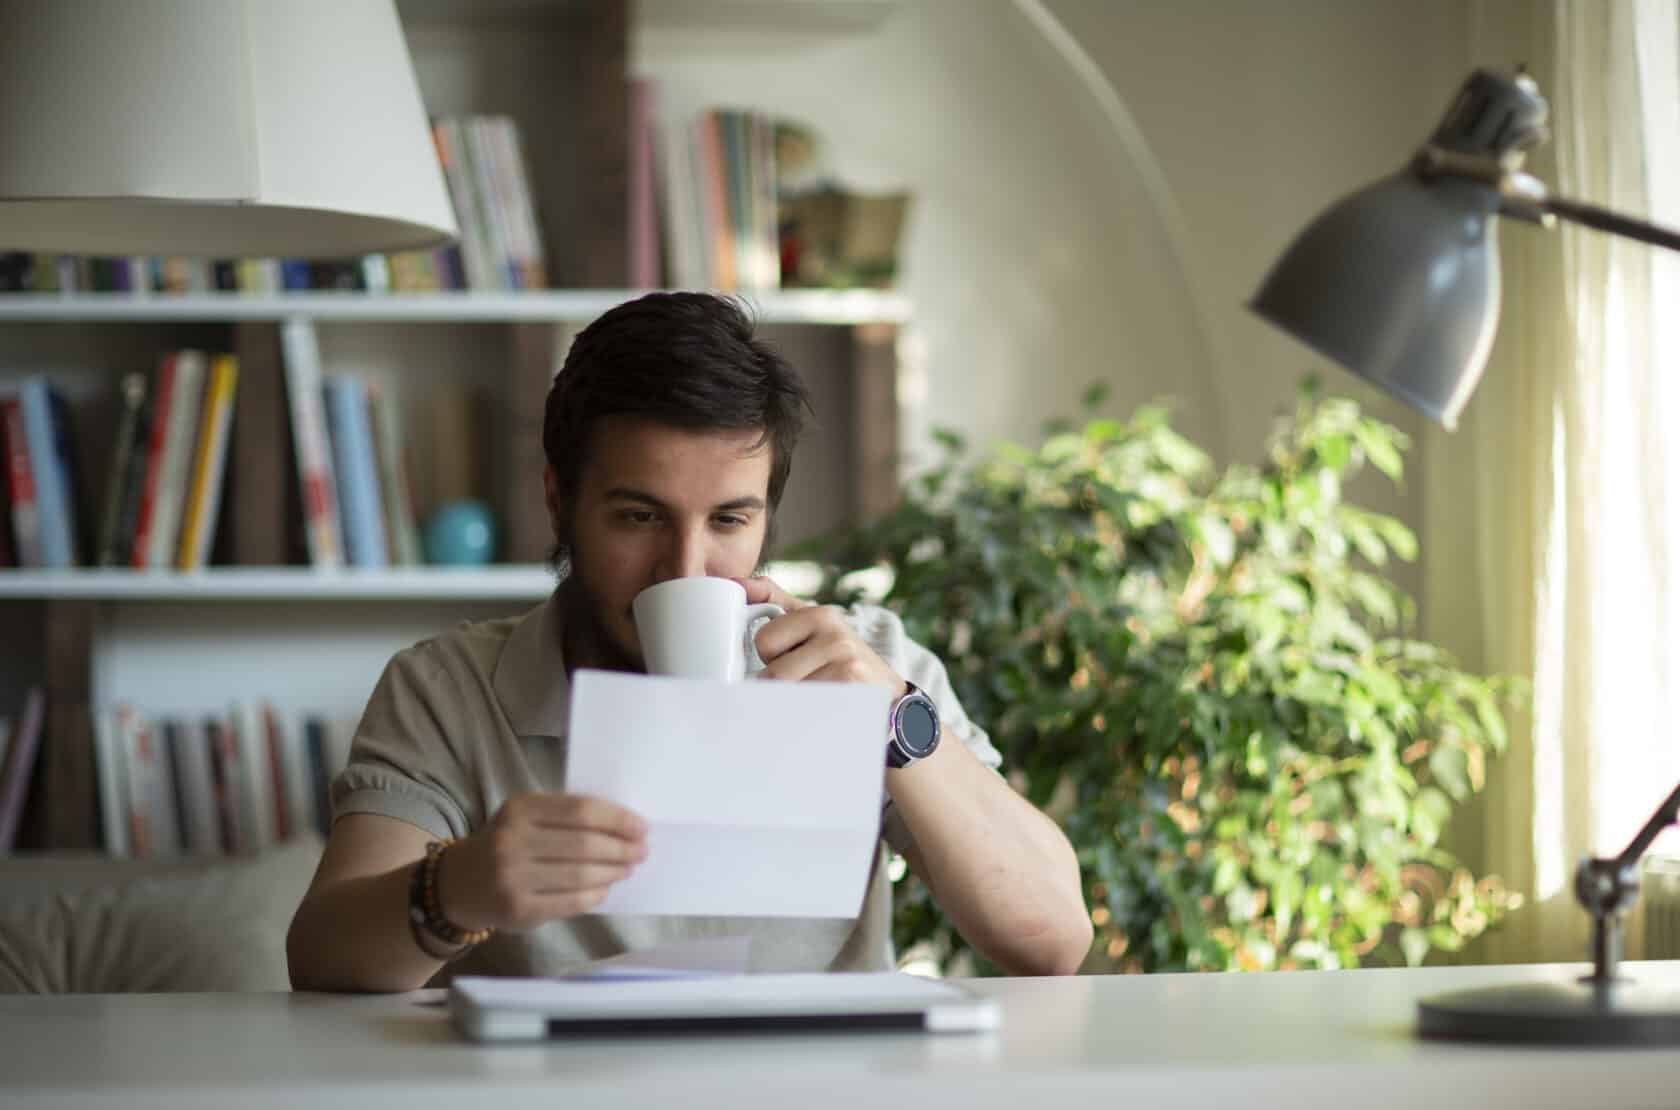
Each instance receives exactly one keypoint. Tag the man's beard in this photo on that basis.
(587, 641)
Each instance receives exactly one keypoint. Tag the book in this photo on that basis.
(201, 831)
(396, 491)
(358, 472)
(20, 486)
(295, 777)
(320, 774)
(163, 393)
(130, 433)
(643, 208)
(310, 444)
(531, 260)
(154, 828)
(265, 509)
(256, 780)
(111, 767)
(174, 744)
(44, 438)
(21, 750)
(685, 256)
(205, 486)
(223, 755)
(272, 742)
(714, 192)
(174, 462)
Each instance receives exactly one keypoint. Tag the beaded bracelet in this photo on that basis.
(425, 910)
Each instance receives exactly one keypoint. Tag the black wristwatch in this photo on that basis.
(914, 731)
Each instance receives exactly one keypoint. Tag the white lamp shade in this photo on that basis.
(229, 128)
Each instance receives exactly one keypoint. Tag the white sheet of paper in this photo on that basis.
(762, 798)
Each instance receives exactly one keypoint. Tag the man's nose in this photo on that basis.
(687, 556)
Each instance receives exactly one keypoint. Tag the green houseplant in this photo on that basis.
(1205, 679)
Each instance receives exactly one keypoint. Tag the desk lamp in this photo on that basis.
(213, 127)
(1399, 283)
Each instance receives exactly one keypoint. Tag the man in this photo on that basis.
(669, 435)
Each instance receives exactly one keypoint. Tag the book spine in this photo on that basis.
(680, 184)
(202, 834)
(205, 499)
(21, 750)
(295, 777)
(111, 765)
(644, 225)
(533, 261)
(493, 191)
(396, 498)
(20, 479)
(164, 535)
(129, 428)
(310, 444)
(223, 750)
(320, 777)
(140, 750)
(256, 795)
(163, 396)
(174, 806)
(715, 190)
(359, 481)
(52, 495)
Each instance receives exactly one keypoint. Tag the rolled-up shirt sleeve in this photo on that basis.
(402, 763)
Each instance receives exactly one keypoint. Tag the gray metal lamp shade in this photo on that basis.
(1399, 282)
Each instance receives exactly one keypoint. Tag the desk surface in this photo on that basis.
(1298, 1039)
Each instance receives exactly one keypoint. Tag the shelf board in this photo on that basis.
(827, 16)
(789, 306)
(495, 583)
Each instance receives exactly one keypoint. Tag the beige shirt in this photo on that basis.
(460, 723)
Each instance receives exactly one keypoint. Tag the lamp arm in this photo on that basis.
(1667, 814)
(1526, 197)
(1614, 222)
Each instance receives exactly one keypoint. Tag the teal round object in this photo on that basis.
(461, 534)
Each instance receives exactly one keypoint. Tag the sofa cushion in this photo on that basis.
(215, 925)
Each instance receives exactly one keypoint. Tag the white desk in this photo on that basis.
(1298, 1039)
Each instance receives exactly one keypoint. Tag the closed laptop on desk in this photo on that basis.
(485, 1009)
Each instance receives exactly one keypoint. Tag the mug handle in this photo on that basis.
(757, 617)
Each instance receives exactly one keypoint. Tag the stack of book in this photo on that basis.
(352, 465)
(160, 506)
(220, 784)
(718, 179)
(162, 493)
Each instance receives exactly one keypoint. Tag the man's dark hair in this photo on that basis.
(689, 360)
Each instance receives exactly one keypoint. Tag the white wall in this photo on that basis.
(1035, 258)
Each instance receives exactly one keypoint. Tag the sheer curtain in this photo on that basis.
(1554, 513)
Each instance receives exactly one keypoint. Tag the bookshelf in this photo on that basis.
(311, 640)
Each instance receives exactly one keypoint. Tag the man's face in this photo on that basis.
(655, 502)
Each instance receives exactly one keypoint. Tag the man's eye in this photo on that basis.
(638, 516)
(731, 521)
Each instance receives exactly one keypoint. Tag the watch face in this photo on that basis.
(918, 728)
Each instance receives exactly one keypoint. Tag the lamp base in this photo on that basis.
(1623, 1013)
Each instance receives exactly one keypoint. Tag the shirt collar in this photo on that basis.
(530, 680)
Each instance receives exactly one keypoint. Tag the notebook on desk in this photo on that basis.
(484, 1009)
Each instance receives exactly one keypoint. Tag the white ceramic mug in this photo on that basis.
(700, 628)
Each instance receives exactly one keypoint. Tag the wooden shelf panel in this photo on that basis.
(792, 306)
(495, 583)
